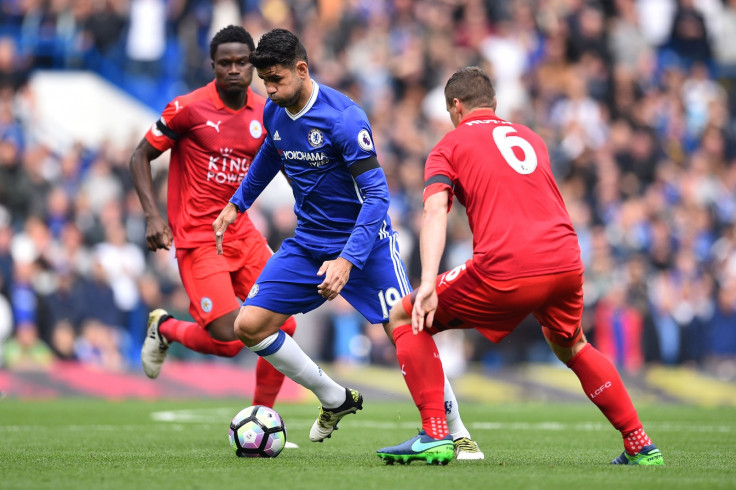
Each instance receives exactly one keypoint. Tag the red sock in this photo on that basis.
(198, 339)
(603, 386)
(636, 440)
(437, 427)
(422, 369)
(268, 378)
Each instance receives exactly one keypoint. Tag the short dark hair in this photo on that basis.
(278, 47)
(231, 34)
(472, 87)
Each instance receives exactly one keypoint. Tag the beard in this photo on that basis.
(291, 101)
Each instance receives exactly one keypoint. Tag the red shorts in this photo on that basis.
(215, 283)
(495, 308)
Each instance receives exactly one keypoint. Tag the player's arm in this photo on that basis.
(431, 246)
(371, 181)
(158, 233)
(264, 168)
(353, 136)
(439, 188)
(432, 235)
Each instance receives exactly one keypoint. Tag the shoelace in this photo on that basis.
(325, 417)
(466, 444)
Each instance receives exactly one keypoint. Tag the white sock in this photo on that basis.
(452, 411)
(286, 356)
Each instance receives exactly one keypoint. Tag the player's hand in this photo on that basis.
(337, 273)
(158, 234)
(228, 215)
(425, 305)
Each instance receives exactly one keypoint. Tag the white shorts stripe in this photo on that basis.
(382, 233)
(398, 268)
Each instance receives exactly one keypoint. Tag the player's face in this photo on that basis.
(233, 72)
(285, 86)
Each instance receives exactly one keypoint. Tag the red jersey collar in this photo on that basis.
(481, 114)
(219, 104)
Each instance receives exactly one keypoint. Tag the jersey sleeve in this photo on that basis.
(374, 188)
(439, 174)
(355, 140)
(163, 134)
(353, 136)
(264, 168)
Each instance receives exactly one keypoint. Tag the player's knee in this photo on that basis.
(253, 325)
(566, 353)
(397, 317)
(246, 330)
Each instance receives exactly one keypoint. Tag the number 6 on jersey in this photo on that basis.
(506, 144)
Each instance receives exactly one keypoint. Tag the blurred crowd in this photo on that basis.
(636, 100)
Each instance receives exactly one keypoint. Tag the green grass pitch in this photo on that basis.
(94, 444)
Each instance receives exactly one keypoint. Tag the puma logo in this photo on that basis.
(213, 125)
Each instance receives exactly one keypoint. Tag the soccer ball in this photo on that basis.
(257, 432)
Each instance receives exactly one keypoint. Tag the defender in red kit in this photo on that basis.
(526, 261)
(213, 133)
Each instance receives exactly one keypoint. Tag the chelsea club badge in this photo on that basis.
(315, 138)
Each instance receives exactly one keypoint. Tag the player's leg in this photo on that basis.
(212, 304)
(465, 447)
(420, 364)
(603, 386)
(463, 302)
(601, 382)
(421, 367)
(286, 286)
(259, 330)
(163, 329)
(374, 290)
(268, 379)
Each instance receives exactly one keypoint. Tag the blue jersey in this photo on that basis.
(337, 214)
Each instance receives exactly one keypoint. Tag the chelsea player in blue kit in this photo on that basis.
(343, 243)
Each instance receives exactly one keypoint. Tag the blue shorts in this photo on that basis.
(288, 282)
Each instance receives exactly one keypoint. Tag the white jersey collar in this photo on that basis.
(310, 103)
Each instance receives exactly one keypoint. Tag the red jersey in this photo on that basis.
(501, 173)
(212, 147)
